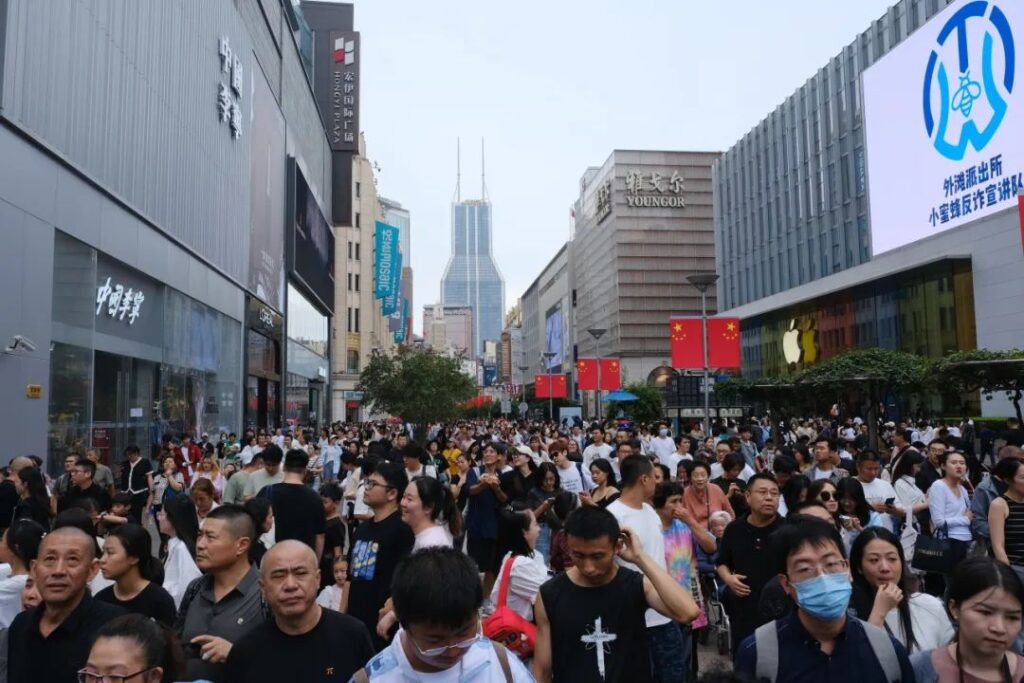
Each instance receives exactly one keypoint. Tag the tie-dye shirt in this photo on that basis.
(681, 560)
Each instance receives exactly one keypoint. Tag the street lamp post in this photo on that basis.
(597, 333)
(702, 282)
(548, 356)
(522, 373)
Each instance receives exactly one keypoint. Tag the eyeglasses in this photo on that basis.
(836, 566)
(371, 485)
(826, 496)
(438, 651)
(86, 676)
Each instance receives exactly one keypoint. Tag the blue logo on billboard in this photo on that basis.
(971, 107)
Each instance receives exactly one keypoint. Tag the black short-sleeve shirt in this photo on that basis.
(153, 602)
(298, 512)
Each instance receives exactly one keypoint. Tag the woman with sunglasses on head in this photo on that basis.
(985, 598)
(883, 597)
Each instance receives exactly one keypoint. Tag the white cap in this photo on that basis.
(246, 457)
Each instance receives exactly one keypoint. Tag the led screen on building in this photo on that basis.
(553, 343)
(943, 114)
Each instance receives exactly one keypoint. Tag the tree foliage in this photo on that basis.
(647, 408)
(990, 372)
(420, 385)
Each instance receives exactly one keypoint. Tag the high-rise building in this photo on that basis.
(791, 195)
(448, 329)
(472, 277)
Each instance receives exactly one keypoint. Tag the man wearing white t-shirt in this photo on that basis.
(573, 477)
(597, 448)
(662, 446)
(664, 639)
(877, 490)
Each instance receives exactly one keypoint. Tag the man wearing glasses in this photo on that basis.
(378, 545)
(820, 641)
(437, 597)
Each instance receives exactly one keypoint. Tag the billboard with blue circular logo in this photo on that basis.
(943, 123)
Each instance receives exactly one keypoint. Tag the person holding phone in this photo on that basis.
(880, 494)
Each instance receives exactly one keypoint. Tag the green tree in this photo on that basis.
(647, 408)
(982, 370)
(419, 385)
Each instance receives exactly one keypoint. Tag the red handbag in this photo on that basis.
(505, 625)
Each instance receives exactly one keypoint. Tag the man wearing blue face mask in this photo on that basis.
(820, 640)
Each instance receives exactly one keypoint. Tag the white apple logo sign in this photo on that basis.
(791, 347)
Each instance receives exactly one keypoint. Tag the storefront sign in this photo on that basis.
(604, 200)
(350, 395)
(655, 190)
(343, 118)
(229, 97)
(116, 301)
(264, 319)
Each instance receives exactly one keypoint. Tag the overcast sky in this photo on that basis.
(554, 86)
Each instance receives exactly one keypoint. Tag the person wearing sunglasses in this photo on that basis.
(437, 597)
(378, 545)
(824, 490)
(133, 649)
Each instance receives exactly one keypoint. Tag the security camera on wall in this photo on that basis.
(20, 343)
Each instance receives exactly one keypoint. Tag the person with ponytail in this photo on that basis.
(137, 575)
(428, 506)
(19, 546)
(985, 598)
(136, 648)
(178, 521)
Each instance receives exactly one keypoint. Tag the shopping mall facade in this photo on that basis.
(165, 215)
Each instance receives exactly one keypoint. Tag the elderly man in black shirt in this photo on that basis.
(51, 642)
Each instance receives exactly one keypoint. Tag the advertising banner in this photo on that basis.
(943, 114)
(313, 244)
(393, 301)
(385, 259)
(554, 337)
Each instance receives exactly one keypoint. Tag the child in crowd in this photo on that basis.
(330, 597)
(120, 507)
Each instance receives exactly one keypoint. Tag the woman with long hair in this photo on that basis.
(606, 491)
(262, 514)
(517, 543)
(428, 507)
(883, 598)
(824, 491)
(908, 495)
(1006, 515)
(541, 500)
(210, 470)
(18, 548)
(795, 491)
(985, 598)
(204, 495)
(855, 514)
(34, 501)
(702, 498)
(177, 520)
(129, 563)
(134, 647)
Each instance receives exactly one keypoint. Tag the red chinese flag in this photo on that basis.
(611, 377)
(542, 386)
(559, 386)
(687, 345)
(724, 342)
(586, 374)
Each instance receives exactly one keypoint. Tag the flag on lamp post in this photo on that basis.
(611, 376)
(687, 343)
(559, 386)
(724, 342)
(542, 386)
(586, 374)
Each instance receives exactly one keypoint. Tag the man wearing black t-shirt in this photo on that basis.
(378, 545)
(298, 511)
(303, 642)
(741, 553)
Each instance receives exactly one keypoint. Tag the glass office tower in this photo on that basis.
(472, 277)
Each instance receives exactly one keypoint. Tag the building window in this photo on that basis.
(355, 319)
(357, 251)
(350, 282)
(357, 282)
(349, 327)
(357, 223)
(352, 363)
(350, 250)
(358, 189)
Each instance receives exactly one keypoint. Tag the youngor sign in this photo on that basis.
(943, 113)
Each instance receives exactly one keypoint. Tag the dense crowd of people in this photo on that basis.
(518, 551)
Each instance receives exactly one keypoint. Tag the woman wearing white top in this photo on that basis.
(950, 506)
(908, 495)
(517, 538)
(427, 507)
(917, 620)
(178, 520)
(18, 548)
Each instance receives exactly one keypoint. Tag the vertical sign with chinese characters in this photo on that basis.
(229, 95)
(343, 109)
(604, 200)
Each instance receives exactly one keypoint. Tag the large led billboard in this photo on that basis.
(944, 123)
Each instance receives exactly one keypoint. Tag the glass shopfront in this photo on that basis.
(133, 359)
(264, 334)
(308, 364)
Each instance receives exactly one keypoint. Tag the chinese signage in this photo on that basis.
(343, 109)
(655, 190)
(943, 112)
(604, 200)
(119, 302)
(229, 94)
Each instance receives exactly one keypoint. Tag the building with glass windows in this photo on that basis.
(790, 196)
(471, 277)
(165, 215)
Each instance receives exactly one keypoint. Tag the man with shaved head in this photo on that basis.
(51, 642)
(292, 645)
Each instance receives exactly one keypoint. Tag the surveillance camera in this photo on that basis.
(20, 342)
